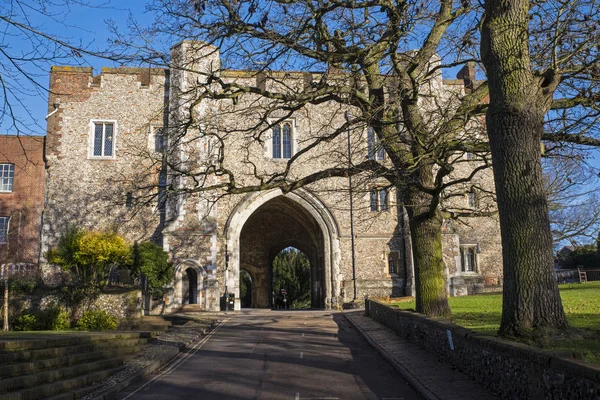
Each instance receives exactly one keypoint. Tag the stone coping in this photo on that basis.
(512, 369)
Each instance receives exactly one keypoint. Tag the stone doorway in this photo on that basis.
(190, 285)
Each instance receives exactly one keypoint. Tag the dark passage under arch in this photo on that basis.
(278, 224)
(192, 287)
(245, 289)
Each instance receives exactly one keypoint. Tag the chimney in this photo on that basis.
(467, 74)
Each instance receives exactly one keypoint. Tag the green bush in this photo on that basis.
(54, 319)
(23, 285)
(25, 322)
(97, 320)
(50, 319)
(151, 261)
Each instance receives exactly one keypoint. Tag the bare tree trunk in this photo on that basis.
(515, 123)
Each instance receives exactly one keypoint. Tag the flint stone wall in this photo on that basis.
(123, 304)
(511, 370)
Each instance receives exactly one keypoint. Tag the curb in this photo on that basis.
(166, 359)
(405, 372)
(155, 365)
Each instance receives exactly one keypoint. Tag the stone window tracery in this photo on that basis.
(378, 199)
(468, 257)
(282, 140)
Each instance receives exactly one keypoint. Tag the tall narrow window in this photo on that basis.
(371, 143)
(4, 229)
(276, 141)
(162, 190)
(472, 198)
(373, 199)
(383, 200)
(282, 140)
(129, 200)
(160, 140)
(7, 176)
(393, 262)
(375, 149)
(287, 141)
(103, 139)
(468, 259)
(380, 152)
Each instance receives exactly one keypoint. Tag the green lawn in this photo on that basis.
(481, 313)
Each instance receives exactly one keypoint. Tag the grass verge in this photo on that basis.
(581, 301)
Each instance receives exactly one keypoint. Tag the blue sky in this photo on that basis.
(87, 25)
(78, 24)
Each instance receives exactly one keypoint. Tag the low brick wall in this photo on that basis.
(512, 370)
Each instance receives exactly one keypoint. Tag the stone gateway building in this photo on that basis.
(135, 149)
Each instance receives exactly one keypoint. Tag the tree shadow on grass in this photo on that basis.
(484, 322)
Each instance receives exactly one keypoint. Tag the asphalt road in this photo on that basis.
(279, 355)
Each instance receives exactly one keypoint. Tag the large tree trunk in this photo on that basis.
(426, 235)
(518, 103)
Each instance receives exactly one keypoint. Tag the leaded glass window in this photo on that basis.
(379, 199)
(276, 141)
(103, 139)
(287, 141)
(383, 203)
(282, 140)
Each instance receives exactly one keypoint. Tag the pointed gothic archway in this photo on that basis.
(190, 284)
(265, 223)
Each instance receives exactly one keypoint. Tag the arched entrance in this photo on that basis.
(263, 224)
(190, 284)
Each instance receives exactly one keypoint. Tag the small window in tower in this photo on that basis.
(103, 139)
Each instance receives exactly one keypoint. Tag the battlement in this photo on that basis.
(75, 81)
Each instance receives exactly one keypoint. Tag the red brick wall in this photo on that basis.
(25, 204)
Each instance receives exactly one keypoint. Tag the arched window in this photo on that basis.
(282, 140)
(468, 258)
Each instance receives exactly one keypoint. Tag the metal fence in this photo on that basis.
(572, 275)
